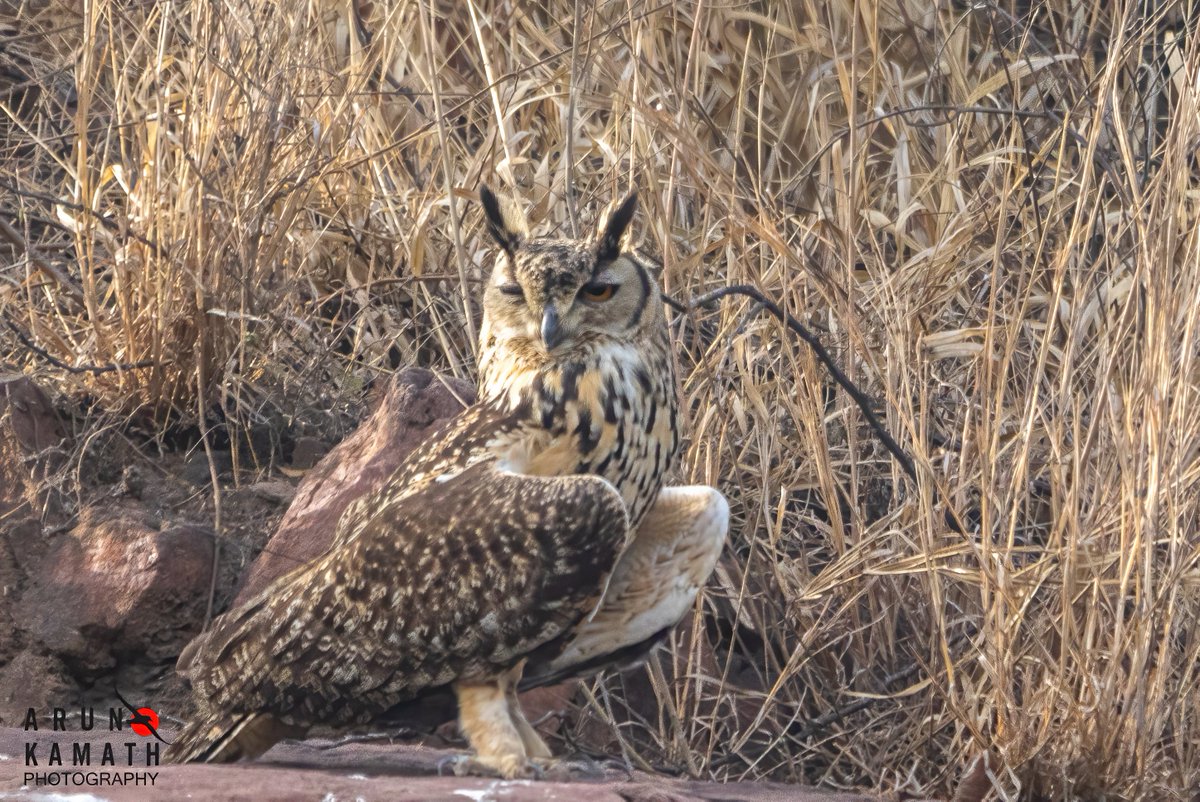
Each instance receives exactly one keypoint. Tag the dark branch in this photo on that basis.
(59, 277)
(58, 363)
(861, 399)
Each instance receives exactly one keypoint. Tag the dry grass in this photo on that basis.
(989, 212)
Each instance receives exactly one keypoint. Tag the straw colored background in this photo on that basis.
(989, 212)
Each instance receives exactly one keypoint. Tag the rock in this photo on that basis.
(31, 417)
(413, 405)
(13, 535)
(307, 452)
(197, 470)
(277, 491)
(116, 589)
(117, 593)
(347, 771)
(544, 707)
(33, 680)
(32, 440)
(32, 437)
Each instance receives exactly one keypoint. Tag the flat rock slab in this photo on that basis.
(336, 772)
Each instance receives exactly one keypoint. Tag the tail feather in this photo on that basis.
(224, 738)
(539, 673)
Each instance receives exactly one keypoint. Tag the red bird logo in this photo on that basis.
(144, 720)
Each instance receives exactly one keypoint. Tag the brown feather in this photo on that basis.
(429, 590)
(493, 542)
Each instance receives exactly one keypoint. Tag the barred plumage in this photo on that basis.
(531, 535)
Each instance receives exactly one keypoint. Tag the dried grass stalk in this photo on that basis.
(989, 212)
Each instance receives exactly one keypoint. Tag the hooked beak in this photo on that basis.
(552, 332)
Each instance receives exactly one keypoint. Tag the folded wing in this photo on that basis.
(460, 580)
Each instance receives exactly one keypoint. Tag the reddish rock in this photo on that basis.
(413, 405)
(117, 588)
(31, 417)
(279, 491)
(31, 444)
(307, 452)
(18, 537)
(32, 440)
(544, 707)
(36, 680)
(315, 771)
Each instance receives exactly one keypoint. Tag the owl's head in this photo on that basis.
(551, 297)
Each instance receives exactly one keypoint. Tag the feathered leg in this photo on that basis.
(484, 717)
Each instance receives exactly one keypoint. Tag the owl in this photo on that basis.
(529, 540)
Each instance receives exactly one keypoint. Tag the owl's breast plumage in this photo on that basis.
(495, 541)
(613, 413)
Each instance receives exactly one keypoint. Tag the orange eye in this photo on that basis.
(597, 292)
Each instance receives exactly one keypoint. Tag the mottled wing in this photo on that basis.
(447, 448)
(458, 581)
(654, 585)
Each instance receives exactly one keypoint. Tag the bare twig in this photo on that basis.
(864, 402)
(762, 302)
(58, 363)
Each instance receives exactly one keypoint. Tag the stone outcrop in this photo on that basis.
(315, 770)
(32, 437)
(111, 587)
(414, 403)
(117, 587)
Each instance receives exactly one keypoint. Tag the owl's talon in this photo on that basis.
(466, 766)
(561, 770)
(511, 768)
(452, 761)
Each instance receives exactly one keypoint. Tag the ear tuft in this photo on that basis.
(507, 228)
(612, 227)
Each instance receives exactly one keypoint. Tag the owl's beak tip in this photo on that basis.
(552, 330)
